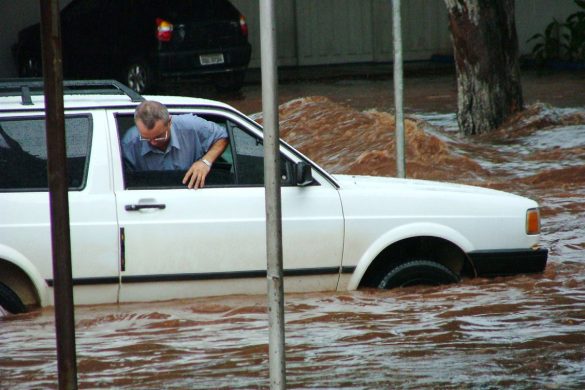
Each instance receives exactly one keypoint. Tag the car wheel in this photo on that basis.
(29, 66)
(138, 75)
(9, 301)
(230, 82)
(417, 272)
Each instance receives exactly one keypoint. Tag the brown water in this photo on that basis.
(524, 332)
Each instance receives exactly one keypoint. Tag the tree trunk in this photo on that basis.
(485, 45)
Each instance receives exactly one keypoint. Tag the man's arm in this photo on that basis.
(195, 176)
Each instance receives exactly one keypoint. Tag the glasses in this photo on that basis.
(157, 139)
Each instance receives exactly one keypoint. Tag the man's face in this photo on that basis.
(158, 136)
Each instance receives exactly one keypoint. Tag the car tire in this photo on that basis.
(29, 66)
(9, 301)
(139, 76)
(418, 272)
(230, 82)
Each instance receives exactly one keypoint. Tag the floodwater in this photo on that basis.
(522, 332)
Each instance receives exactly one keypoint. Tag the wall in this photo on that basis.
(311, 32)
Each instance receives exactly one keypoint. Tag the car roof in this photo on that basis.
(74, 102)
(26, 96)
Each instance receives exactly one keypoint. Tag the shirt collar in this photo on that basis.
(146, 148)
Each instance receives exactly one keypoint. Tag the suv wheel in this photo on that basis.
(138, 75)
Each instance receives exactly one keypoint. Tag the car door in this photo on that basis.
(25, 229)
(212, 241)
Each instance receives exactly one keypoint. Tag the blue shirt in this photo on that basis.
(191, 138)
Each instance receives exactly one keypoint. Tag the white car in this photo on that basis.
(146, 237)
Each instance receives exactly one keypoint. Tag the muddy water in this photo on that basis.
(524, 332)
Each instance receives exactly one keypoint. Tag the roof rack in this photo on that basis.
(29, 87)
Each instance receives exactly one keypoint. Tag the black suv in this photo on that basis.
(141, 41)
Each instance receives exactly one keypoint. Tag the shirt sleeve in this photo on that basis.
(207, 132)
(129, 149)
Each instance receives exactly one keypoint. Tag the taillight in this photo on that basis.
(243, 26)
(164, 30)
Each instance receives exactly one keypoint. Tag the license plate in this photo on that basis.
(211, 59)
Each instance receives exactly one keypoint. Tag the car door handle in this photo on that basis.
(137, 207)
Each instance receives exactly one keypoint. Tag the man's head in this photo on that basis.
(153, 122)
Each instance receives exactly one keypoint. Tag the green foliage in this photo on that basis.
(562, 41)
(548, 44)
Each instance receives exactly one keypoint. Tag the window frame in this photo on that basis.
(217, 116)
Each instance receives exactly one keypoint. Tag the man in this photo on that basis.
(183, 142)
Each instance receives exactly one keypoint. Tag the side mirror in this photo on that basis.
(303, 174)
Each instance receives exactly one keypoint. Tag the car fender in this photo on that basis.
(19, 260)
(401, 233)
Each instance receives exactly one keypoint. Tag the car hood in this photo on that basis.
(392, 196)
(390, 183)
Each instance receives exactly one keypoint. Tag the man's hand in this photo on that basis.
(195, 176)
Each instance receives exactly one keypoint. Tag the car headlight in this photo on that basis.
(533, 221)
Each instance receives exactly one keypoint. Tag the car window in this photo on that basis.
(249, 157)
(23, 153)
(241, 164)
(81, 9)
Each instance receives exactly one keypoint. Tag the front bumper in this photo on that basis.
(509, 261)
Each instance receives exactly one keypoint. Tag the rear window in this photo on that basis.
(23, 153)
(197, 10)
(82, 9)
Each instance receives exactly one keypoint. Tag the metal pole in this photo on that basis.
(398, 90)
(273, 202)
(59, 200)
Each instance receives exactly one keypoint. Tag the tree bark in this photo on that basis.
(485, 46)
